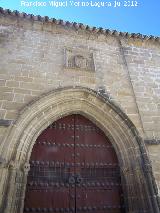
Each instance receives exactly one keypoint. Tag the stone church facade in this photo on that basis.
(51, 68)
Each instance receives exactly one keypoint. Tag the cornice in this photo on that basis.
(78, 26)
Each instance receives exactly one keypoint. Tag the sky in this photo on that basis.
(141, 16)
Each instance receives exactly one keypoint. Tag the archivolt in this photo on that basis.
(104, 113)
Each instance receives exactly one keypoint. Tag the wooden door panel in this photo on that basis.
(101, 155)
(104, 196)
(52, 164)
(56, 197)
(99, 170)
(74, 168)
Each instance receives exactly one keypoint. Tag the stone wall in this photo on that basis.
(33, 59)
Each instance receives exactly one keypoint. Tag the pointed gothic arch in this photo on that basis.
(101, 110)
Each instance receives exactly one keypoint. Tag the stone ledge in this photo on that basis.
(5, 123)
(77, 26)
(152, 142)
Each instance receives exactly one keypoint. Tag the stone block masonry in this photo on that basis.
(33, 62)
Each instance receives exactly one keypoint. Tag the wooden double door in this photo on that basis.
(73, 168)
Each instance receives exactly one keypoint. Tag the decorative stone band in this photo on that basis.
(76, 26)
(5, 123)
(152, 141)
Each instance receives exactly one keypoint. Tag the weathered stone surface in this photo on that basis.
(124, 69)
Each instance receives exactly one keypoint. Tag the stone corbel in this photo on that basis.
(26, 167)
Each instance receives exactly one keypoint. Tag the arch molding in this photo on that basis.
(136, 173)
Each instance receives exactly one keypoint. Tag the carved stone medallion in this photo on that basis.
(79, 59)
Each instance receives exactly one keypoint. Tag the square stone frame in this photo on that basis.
(139, 187)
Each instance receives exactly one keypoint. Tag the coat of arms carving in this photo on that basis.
(78, 59)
